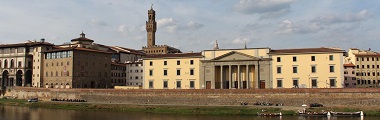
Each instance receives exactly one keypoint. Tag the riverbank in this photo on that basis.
(182, 109)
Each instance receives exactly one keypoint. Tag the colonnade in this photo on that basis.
(235, 76)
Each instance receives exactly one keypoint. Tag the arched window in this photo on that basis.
(12, 63)
(56, 73)
(47, 74)
(51, 74)
(67, 73)
(5, 63)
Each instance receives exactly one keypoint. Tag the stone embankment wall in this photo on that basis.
(289, 97)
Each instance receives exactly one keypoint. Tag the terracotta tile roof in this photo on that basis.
(78, 48)
(173, 55)
(349, 65)
(305, 50)
(25, 44)
(126, 50)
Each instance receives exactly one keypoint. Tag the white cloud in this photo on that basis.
(265, 8)
(288, 27)
(132, 32)
(348, 18)
(169, 24)
(95, 22)
(194, 25)
(240, 40)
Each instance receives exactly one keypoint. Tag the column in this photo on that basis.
(238, 76)
(247, 75)
(221, 76)
(256, 77)
(229, 76)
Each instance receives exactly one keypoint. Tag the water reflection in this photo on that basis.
(25, 113)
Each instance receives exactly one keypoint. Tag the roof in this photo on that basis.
(118, 64)
(82, 38)
(367, 54)
(306, 50)
(77, 48)
(349, 65)
(126, 50)
(25, 44)
(173, 55)
(234, 52)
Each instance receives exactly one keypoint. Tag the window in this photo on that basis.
(332, 82)
(313, 69)
(178, 83)
(165, 62)
(367, 58)
(314, 83)
(357, 66)
(150, 84)
(294, 69)
(331, 57)
(331, 68)
(362, 66)
(178, 62)
(136, 77)
(368, 66)
(165, 72)
(165, 84)
(151, 63)
(150, 72)
(295, 83)
(178, 71)
(191, 62)
(192, 85)
(19, 64)
(294, 59)
(278, 70)
(191, 71)
(312, 58)
(278, 59)
(279, 83)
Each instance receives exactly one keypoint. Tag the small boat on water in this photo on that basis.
(269, 114)
(359, 113)
(322, 114)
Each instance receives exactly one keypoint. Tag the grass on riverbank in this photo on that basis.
(175, 109)
(200, 110)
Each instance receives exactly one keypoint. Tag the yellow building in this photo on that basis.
(367, 67)
(307, 68)
(172, 71)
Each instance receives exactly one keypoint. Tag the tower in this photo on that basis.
(151, 26)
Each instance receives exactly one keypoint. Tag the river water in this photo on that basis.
(26, 113)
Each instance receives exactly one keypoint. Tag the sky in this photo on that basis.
(195, 25)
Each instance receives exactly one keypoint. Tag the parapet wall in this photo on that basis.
(289, 97)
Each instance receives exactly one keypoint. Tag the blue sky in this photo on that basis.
(194, 25)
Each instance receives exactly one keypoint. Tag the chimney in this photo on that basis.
(42, 40)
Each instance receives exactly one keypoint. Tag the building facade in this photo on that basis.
(349, 75)
(118, 74)
(235, 68)
(367, 67)
(73, 67)
(20, 64)
(135, 74)
(172, 71)
(307, 68)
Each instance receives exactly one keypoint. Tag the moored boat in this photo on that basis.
(269, 114)
(359, 113)
(322, 114)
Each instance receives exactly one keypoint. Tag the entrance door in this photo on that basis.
(262, 84)
(244, 84)
(227, 85)
(208, 84)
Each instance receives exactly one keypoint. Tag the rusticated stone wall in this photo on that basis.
(289, 97)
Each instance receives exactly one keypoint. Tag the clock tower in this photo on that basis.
(151, 27)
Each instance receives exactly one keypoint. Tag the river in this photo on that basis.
(26, 113)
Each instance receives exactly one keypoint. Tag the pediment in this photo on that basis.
(234, 55)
